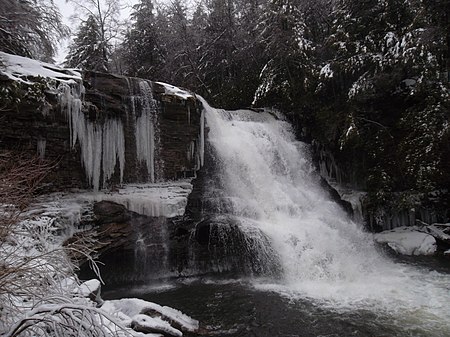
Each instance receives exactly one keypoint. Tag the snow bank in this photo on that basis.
(408, 241)
(19, 68)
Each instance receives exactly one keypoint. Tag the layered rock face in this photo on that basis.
(100, 129)
(131, 138)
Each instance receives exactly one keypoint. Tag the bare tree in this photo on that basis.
(35, 271)
(105, 13)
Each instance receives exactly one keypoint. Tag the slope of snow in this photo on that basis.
(19, 68)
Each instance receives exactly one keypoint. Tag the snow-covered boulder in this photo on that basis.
(147, 317)
(408, 241)
(90, 289)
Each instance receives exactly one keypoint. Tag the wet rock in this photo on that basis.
(35, 124)
(110, 212)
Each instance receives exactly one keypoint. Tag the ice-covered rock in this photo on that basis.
(408, 241)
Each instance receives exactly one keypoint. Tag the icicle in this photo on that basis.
(145, 132)
(202, 137)
(41, 143)
(189, 114)
(113, 149)
(101, 146)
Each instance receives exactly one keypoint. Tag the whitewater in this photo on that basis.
(272, 185)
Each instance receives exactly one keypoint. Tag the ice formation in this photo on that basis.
(41, 143)
(202, 139)
(167, 199)
(145, 129)
(101, 145)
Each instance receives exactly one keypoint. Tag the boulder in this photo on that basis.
(408, 241)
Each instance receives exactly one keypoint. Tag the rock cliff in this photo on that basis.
(100, 129)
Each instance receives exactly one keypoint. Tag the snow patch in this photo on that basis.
(87, 288)
(175, 91)
(326, 71)
(19, 68)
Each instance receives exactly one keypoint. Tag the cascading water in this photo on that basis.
(269, 179)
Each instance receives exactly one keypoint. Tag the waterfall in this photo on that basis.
(272, 186)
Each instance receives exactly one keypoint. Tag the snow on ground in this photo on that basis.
(36, 242)
(18, 68)
(408, 241)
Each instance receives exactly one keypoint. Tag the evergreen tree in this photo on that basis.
(105, 13)
(87, 50)
(31, 28)
(143, 55)
(290, 54)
